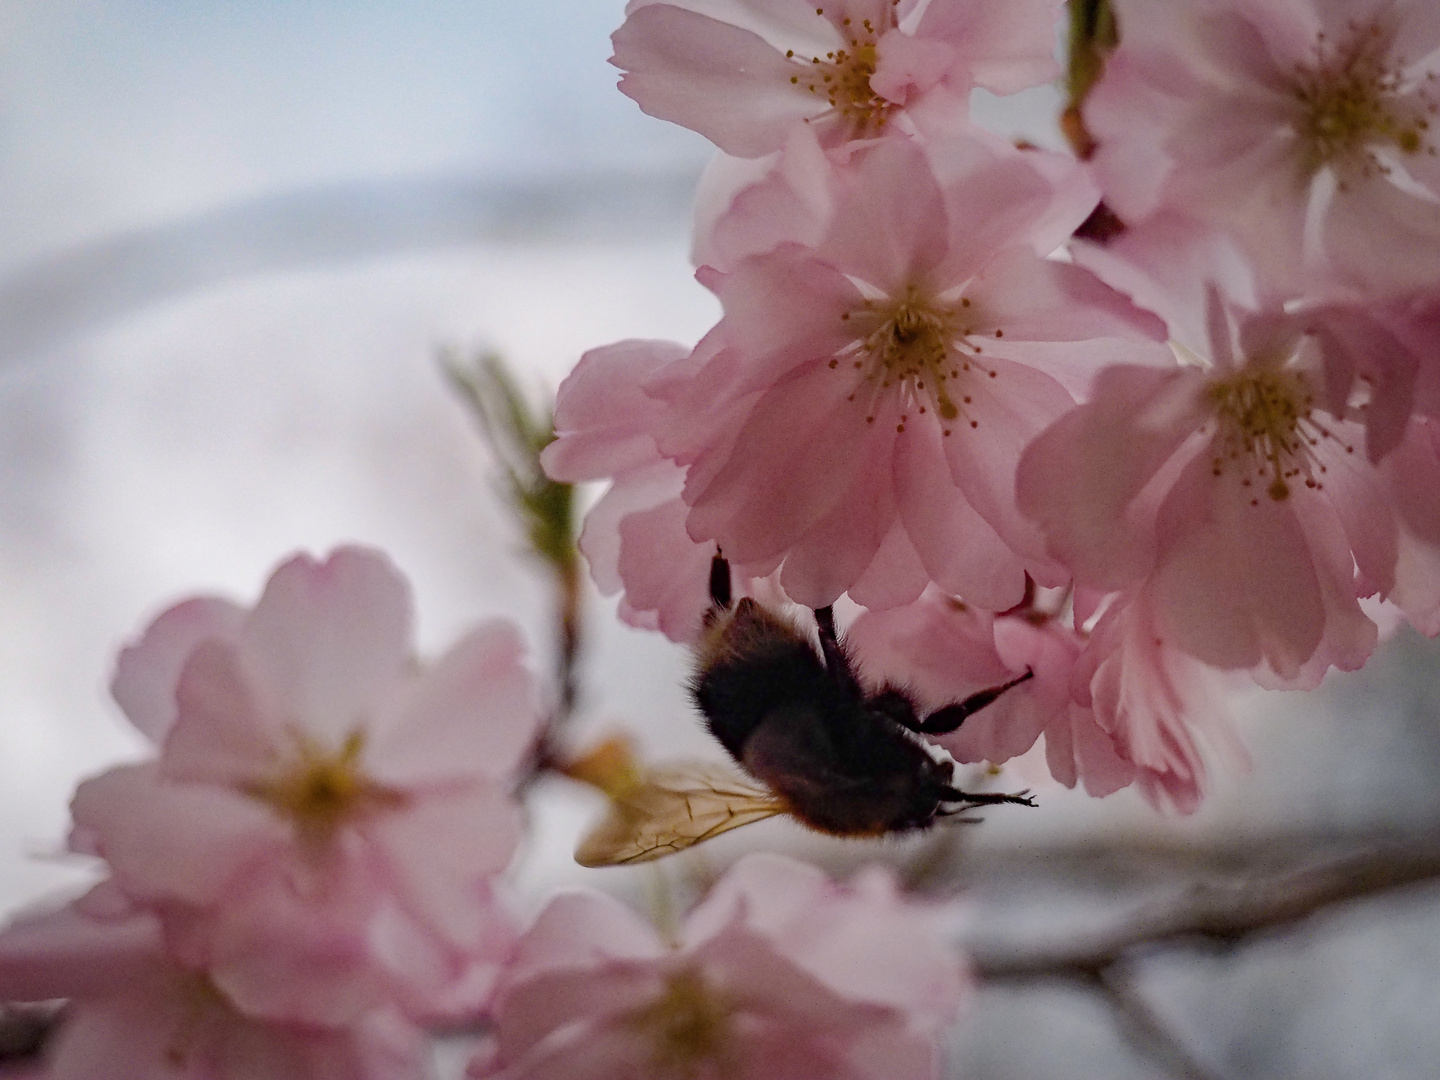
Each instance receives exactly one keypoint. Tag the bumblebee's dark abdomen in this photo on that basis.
(735, 697)
(875, 783)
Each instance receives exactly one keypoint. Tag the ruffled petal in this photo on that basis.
(326, 640)
(147, 671)
(475, 713)
(727, 83)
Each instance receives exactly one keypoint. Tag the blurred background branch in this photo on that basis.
(516, 433)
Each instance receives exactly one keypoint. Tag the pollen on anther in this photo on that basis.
(794, 78)
(899, 428)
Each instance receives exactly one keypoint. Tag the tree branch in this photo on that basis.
(1226, 914)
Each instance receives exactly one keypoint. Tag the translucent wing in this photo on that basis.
(673, 807)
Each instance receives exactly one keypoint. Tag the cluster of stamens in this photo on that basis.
(1349, 102)
(842, 77)
(1265, 420)
(919, 348)
(689, 1026)
(319, 791)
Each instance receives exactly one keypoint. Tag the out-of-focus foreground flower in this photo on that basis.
(320, 829)
(778, 975)
(135, 1014)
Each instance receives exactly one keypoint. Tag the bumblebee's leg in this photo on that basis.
(987, 798)
(945, 720)
(720, 581)
(836, 662)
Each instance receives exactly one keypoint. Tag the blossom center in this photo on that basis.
(1350, 103)
(918, 348)
(689, 1025)
(1265, 421)
(319, 791)
(842, 77)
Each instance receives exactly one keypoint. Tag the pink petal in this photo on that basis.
(907, 66)
(1010, 45)
(863, 942)
(222, 735)
(165, 841)
(889, 226)
(474, 714)
(441, 850)
(1082, 479)
(327, 639)
(582, 930)
(832, 554)
(795, 458)
(602, 415)
(895, 575)
(1238, 583)
(783, 309)
(62, 953)
(958, 548)
(1005, 413)
(728, 84)
(147, 671)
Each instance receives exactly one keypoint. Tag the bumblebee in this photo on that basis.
(813, 741)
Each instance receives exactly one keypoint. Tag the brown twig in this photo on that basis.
(1224, 914)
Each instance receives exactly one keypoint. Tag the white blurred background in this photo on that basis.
(234, 236)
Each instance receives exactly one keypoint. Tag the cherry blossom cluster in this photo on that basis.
(304, 878)
(1144, 424)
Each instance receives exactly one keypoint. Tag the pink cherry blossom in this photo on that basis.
(1382, 361)
(1303, 128)
(778, 975)
(873, 392)
(323, 821)
(744, 73)
(1115, 706)
(1156, 703)
(135, 1014)
(1229, 486)
(634, 537)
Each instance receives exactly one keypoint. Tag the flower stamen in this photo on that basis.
(319, 791)
(1266, 417)
(1350, 104)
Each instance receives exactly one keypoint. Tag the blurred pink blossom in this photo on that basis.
(744, 73)
(320, 829)
(778, 975)
(1305, 129)
(135, 1014)
(1115, 706)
